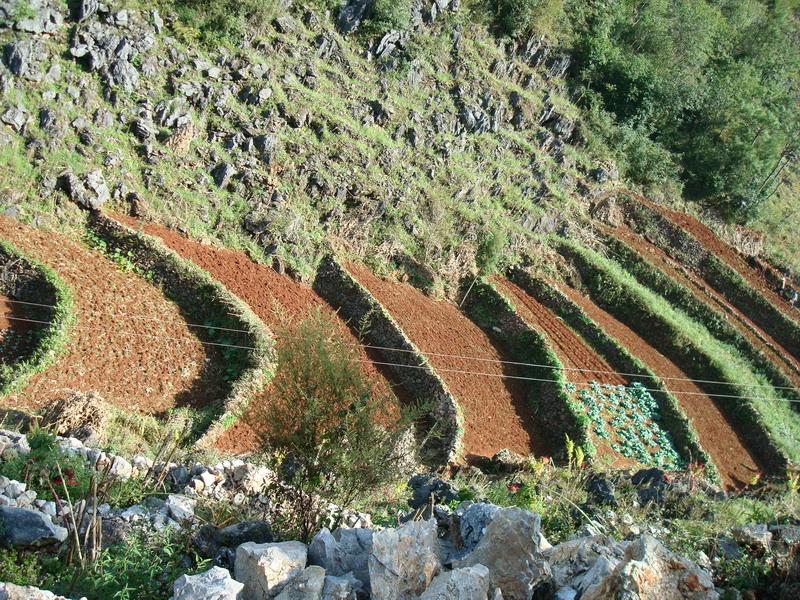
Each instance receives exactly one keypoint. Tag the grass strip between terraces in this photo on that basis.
(663, 285)
(680, 244)
(54, 292)
(673, 418)
(206, 301)
(549, 401)
(762, 417)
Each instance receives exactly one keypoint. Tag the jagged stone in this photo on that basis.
(306, 586)
(343, 551)
(24, 528)
(9, 591)
(649, 570)
(425, 486)
(351, 15)
(404, 560)
(469, 583)
(265, 569)
(345, 587)
(222, 174)
(214, 584)
(754, 536)
(511, 549)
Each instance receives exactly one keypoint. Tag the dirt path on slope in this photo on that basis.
(130, 344)
(273, 297)
(497, 414)
(726, 254)
(583, 364)
(737, 465)
(759, 338)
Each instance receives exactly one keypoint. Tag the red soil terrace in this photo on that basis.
(496, 410)
(737, 465)
(582, 364)
(709, 240)
(274, 297)
(129, 344)
(760, 339)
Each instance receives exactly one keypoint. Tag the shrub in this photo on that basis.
(332, 433)
(386, 15)
(520, 17)
(222, 22)
(490, 250)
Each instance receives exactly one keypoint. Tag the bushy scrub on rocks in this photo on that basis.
(330, 431)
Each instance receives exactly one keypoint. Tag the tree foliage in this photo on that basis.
(713, 82)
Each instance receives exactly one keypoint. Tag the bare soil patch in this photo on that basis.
(737, 465)
(706, 294)
(756, 278)
(275, 298)
(496, 410)
(129, 344)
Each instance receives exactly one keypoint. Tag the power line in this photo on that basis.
(458, 371)
(490, 360)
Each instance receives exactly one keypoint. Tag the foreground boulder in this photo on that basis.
(404, 561)
(9, 591)
(579, 565)
(469, 583)
(214, 584)
(23, 528)
(343, 551)
(649, 570)
(510, 549)
(265, 569)
(306, 586)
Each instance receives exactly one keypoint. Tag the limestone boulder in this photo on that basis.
(265, 569)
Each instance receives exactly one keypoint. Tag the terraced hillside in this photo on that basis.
(400, 176)
(129, 342)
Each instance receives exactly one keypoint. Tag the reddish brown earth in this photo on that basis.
(757, 279)
(130, 344)
(496, 410)
(760, 339)
(737, 465)
(582, 364)
(275, 298)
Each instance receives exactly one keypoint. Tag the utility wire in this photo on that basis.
(485, 359)
(457, 371)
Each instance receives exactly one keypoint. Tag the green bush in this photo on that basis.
(490, 250)
(47, 466)
(215, 22)
(386, 15)
(521, 17)
(333, 434)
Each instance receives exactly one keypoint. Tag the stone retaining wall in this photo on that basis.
(378, 328)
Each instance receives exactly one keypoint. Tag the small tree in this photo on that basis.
(334, 435)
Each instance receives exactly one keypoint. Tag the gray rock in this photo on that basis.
(180, 508)
(22, 58)
(44, 17)
(581, 563)
(649, 570)
(306, 586)
(510, 549)
(86, 8)
(222, 174)
(265, 569)
(20, 527)
(285, 24)
(351, 15)
(473, 523)
(469, 583)
(753, 536)
(214, 584)
(15, 117)
(403, 561)
(209, 539)
(425, 486)
(9, 591)
(343, 551)
(346, 587)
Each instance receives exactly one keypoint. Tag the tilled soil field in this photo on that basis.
(274, 297)
(582, 364)
(496, 410)
(760, 339)
(727, 254)
(737, 465)
(129, 344)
